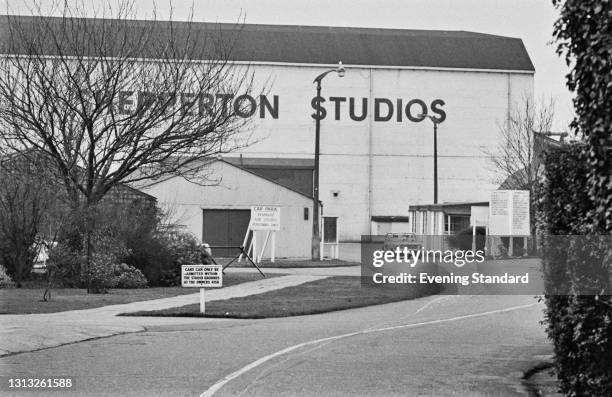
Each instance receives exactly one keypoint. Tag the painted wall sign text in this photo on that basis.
(265, 106)
(384, 109)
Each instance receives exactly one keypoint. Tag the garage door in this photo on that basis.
(226, 228)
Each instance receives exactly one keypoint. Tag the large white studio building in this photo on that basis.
(376, 153)
(376, 148)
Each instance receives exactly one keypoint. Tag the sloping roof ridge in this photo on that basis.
(357, 29)
(282, 27)
(265, 178)
(214, 159)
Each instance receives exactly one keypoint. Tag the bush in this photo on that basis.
(126, 276)
(100, 275)
(580, 326)
(107, 251)
(66, 264)
(503, 251)
(104, 274)
(150, 255)
(138, 225)
(126, 233)
(5, 280)
(183, 249)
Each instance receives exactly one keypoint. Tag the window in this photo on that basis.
(457, 223)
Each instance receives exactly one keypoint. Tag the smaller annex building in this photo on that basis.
(219, 212)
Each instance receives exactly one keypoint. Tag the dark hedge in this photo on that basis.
(584, 37)
(578, 200)
(580, 326)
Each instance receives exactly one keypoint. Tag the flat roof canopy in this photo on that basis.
(450, 208)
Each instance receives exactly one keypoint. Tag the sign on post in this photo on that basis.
(202, 276)
(265, 217)
(509, 213)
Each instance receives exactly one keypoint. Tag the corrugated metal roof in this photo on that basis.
(319, 44)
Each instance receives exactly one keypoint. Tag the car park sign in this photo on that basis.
(264, 217)
(201, 276)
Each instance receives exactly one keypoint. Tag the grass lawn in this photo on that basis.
(320, 296)
(29, 300)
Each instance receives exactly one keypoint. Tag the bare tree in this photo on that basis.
(516, 158)
(26, 197)
(110, 100)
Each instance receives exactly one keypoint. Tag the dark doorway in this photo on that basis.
(225, 227)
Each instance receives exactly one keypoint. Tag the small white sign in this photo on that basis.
(479, 216)
(264, 217)
(509, 213)
(202, 276)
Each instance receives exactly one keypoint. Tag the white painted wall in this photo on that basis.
(476, 103)
(239, 189)
(379, 167)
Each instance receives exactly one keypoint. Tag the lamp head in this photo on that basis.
(340, 69)
(427, 116)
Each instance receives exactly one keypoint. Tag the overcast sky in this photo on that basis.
(530, 20)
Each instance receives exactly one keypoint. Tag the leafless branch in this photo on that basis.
(112, 100)
(516, 160)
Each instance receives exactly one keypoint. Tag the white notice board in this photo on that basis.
(499, 213)
(520, 213)
(265, 217)
(479, 216)
(509, 213)
(202, 276)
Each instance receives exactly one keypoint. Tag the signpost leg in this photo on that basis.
(263, 247)
(232, 261)
(202, 300)
(253, 263)
(273, 248)
(473, 238)
(250, 249)
(246, 237)
(254, 241)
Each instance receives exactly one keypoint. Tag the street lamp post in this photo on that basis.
(316, 229)
(435, 168)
